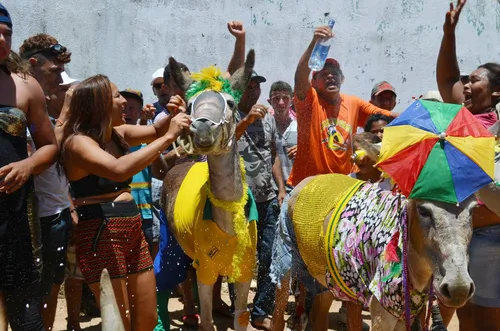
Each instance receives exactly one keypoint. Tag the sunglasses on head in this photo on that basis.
(56, 49)
(158, 85)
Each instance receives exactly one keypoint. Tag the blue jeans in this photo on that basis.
(263, 303)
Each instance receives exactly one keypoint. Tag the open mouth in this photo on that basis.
(467, 98)
(331, 85)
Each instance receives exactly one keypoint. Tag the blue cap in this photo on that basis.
(5, 19)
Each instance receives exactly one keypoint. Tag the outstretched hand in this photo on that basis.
(453, 15)
(236, 29)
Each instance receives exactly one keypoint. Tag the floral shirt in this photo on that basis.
(366, 252)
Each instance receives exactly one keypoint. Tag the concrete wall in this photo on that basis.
(375, 39)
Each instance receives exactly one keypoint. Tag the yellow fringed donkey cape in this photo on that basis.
(201, 239)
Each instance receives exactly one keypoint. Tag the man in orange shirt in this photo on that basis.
(327, 119)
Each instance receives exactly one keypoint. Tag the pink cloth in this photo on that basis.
(487, 119)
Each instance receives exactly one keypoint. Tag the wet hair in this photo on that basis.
(280, 86)
(40, 42)
(493, 73)
(90, 113)
(167, 72)
(376, 118)
(15, 64)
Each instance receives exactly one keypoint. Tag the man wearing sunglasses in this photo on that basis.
(47, 59)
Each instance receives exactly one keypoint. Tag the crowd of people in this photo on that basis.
(82, 165)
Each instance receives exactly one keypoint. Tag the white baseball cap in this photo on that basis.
(157, 74)
(66, 80)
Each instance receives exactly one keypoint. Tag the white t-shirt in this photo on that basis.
(51, 189)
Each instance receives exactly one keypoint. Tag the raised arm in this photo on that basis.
(14, 175)
(447, 71)
(256, 112)
(86, 153)
(367, 109)
(302, 83)
(144, 134)
(238, 31)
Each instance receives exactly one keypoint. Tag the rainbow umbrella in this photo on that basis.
(438, 151)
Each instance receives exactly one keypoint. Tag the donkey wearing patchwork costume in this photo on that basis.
(208, 204)
(374, 247)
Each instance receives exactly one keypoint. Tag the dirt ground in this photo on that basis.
(222, 323)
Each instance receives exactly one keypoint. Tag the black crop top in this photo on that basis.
(93, 185)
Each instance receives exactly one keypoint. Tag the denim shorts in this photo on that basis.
(55, 236)
(484, 266)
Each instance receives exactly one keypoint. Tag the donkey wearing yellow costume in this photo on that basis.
(208, 204)
(330, 224)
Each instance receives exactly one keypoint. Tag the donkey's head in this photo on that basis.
(440, 234)
(212, 103)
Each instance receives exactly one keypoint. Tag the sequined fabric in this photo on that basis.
(13, 121)
(17, 261)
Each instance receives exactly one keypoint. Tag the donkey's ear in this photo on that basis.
(181, 77)
(241, 78)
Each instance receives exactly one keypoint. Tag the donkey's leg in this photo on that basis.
(205, 293)
(281, 299)
(241, 313)
(382, 320)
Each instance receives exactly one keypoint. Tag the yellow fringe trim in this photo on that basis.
(240, 222)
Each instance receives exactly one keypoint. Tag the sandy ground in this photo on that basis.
(222, 323)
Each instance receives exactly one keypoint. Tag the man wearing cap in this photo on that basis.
(56, 100)
(141, 182)
(327, 121)
(384, 96)
(54, 210)
(256, 134)
(160, 92)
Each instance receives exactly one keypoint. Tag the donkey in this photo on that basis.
(438, 239)
(212, 133)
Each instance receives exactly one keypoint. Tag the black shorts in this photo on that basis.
(55, 236)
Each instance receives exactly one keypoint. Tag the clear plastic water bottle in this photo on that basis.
(320, 52)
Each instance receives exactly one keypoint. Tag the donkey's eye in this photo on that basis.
(230, 104)
(424, 212)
